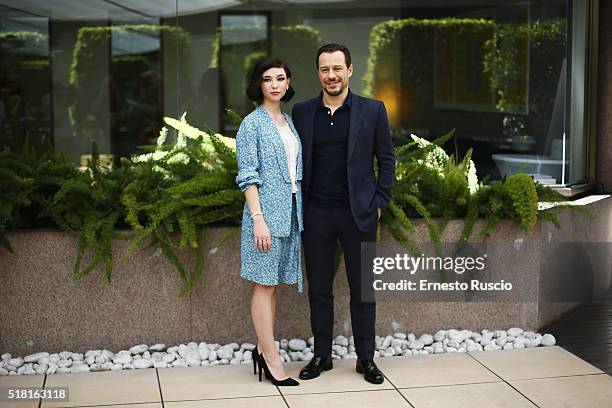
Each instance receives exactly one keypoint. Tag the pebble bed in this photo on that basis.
(205, 354)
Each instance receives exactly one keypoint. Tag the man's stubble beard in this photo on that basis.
(343, 86)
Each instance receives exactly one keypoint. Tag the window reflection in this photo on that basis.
(108, 71)
(25, 94)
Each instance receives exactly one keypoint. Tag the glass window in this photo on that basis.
(84, 71)
(508, 76)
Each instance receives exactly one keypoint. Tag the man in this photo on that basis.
(341, 134)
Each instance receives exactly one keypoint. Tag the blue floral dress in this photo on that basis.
(262, 161)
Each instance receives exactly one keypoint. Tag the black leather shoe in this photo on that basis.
(315, 366)
(370, 372)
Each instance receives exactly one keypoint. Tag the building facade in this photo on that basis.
(521, 82)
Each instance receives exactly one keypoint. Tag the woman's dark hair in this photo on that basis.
(333, 47)
(254, 89)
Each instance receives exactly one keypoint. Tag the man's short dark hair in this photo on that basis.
(254, 89)
(333, 47)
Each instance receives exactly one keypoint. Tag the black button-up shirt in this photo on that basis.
(329, 179)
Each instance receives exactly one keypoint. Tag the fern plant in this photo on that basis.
(171, 188)
(16, 185)
(28, 182)
(87, 204)
(430, 185)
(181, 188)
(437, 188)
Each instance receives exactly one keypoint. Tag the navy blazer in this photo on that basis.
(369, 138)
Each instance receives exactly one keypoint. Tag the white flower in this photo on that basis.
(159, 169)
(158, 155)
(142, 158)
(179, 158)
(181, 140)
(472, 178)
(155, 156)
(437, 158)
(161, 139)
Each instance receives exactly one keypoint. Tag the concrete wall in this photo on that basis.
(43, 309)
(576, 260)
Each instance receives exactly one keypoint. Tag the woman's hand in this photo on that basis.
(263, 240)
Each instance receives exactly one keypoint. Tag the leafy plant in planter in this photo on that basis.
(437, 187)
(429, 184)
(16, 185)
(28, 182)
(433, 186)
(87, 204)
(180, 189)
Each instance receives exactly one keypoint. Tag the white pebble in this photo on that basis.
(297, 344)
(141, 348)
(158, 347)
(515, 331)
(548, 340)
(143, 363)
(33, 358)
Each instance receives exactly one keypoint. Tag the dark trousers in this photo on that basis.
(322, 229)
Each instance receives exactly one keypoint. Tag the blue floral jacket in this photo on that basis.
(262, 161)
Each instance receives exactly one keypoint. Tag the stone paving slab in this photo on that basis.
(538, 377)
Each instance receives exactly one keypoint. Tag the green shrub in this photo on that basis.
(88, 206)
(28, 183)
(436, 187)
(181, 189)
(171, 189)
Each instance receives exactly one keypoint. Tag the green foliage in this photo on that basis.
(407, 49)
(167, 196)
(48, 187)
(514, 197)
(425, 189)
(181, 189)
(28, 182)
(524, 199)
(90, 67)
(437, 189)
(512, 51)
(16, 185)
(87, 204)
(558, 201)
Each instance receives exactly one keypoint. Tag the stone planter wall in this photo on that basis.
(42, 309)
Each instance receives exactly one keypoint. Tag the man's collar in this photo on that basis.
(347, 101)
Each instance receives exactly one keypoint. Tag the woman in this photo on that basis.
(269, 158)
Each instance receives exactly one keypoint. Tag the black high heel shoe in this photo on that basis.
(255, 356)
(287, 382)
